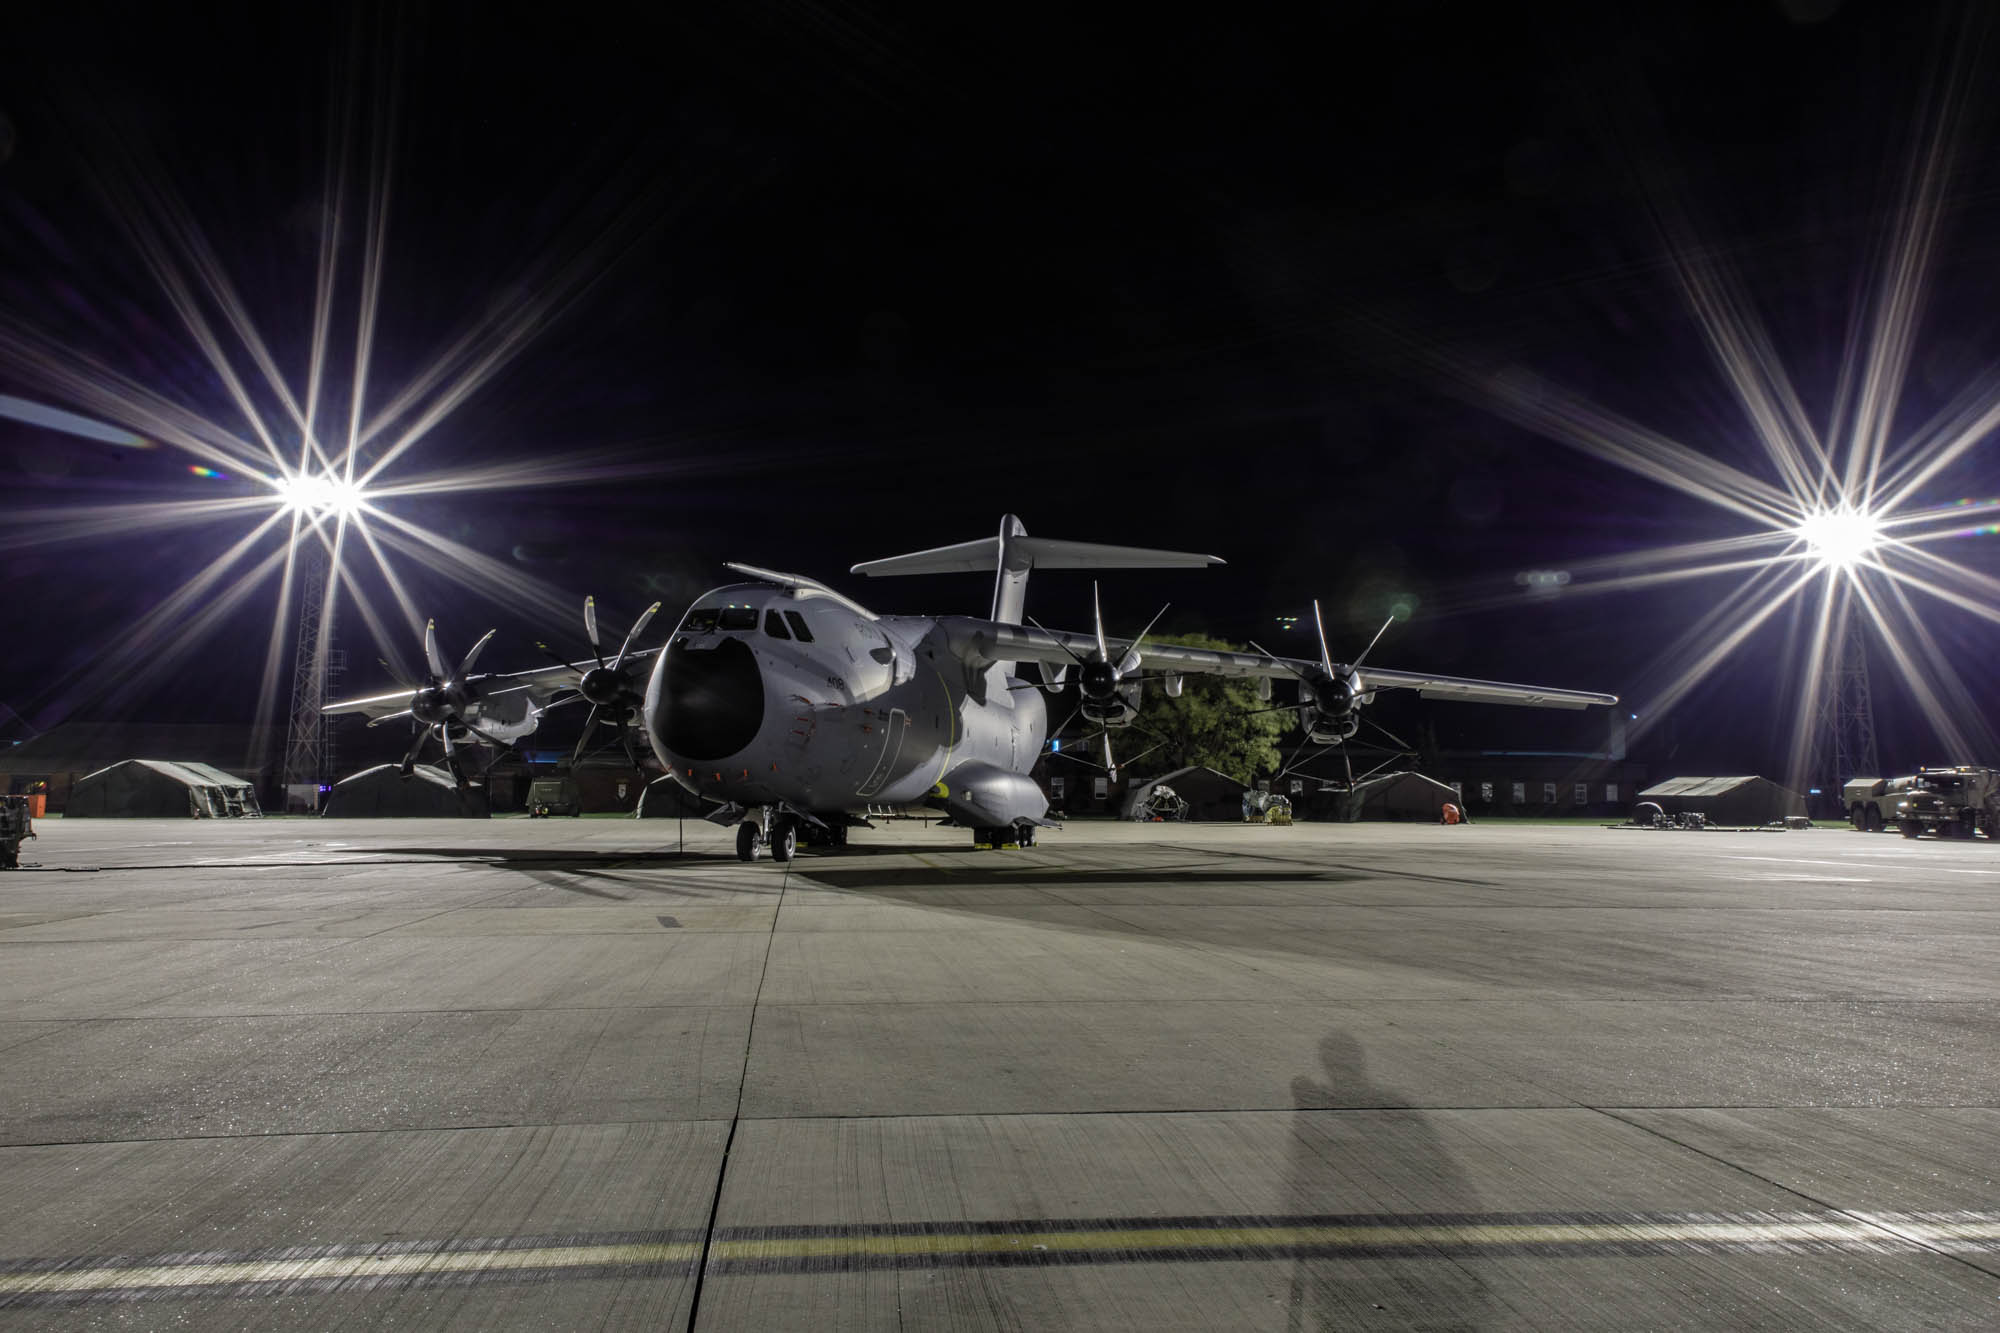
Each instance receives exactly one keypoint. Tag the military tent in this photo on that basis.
(1209, 795)
(382, 792)
(1746, 801)
(1395, 796)
(160, 789)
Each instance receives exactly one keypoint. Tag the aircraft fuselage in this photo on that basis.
(763, 697)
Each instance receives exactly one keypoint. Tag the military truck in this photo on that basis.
(1868, 801)
(554, 796)
(1951, 802)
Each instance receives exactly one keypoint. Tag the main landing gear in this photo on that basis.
(776, 833)
(1018, 835)
(779, 831)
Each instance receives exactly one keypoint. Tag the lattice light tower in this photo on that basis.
(315, 665)
(1844, 729)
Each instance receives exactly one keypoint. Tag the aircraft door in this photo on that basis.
(894, 727)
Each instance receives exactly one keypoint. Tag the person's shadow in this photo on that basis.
(1353, 1167)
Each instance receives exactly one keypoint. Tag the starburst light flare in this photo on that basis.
(1836, 501)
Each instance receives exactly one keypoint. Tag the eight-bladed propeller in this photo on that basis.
(1105, 683)
(1331, 695)
(612, 689)
(439, 705)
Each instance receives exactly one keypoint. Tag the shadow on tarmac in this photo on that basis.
(1338, 1162)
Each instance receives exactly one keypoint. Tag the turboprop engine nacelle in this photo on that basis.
(1329, 709)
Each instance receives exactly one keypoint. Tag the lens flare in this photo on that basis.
(1840, 538)
(318, 495)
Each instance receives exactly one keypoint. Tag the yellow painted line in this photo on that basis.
(346, 1267)
(1867, 1230)
(1291, 1237)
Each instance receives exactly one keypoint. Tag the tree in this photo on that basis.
(1216, 723)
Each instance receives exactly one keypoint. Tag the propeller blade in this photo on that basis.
(583, 741)
(409, 765)
(1268, 653)
(1130, 662)
(1371, 644)
(1059, 643)
(637, 630)
(1319, 623)
(1097, 612)
(465, 667)
(451, 760)
(553, 655)
(590, 627)
(1110, 764)
(431, 654)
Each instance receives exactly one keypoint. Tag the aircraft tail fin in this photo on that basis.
(1013, 554)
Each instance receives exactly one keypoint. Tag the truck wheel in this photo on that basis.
(1910, 828)
(1874, 819)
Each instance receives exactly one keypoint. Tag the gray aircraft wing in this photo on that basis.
(983, 642)
(377, 706)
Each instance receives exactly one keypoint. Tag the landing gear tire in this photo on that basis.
(747, 838)
(1909, 828)
(784, 840)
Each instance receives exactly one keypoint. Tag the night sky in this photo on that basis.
(852, 282)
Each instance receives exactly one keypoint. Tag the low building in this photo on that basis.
(1504, 783)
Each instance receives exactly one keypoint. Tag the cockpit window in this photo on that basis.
(774, 625)
(739, 617)
(699, 621)
(798, 623)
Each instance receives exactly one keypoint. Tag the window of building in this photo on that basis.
(1486, 792)
(1610, 791)
(1548, 793)
(1582, 793)
(798, 624)
(1520, 793)
(1100, 787)
(1056, 789)
(774, 625)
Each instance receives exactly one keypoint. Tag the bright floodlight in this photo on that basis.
(315, 495)
(1840, 538)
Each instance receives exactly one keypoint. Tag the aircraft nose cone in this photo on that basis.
(711, 700)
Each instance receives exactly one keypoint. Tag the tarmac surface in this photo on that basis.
(562, 1074)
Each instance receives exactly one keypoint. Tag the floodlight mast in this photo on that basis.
(315, 664)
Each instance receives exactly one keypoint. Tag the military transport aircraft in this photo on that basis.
(793, 707)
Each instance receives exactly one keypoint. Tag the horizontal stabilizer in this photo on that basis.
(1040, 552)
